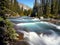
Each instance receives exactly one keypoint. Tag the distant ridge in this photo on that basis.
(24, 6)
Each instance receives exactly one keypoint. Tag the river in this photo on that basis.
(32, 37)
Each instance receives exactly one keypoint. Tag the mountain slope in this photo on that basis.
(24, 6)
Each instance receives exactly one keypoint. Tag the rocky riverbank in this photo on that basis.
(54, 21)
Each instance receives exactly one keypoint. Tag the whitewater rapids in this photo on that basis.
(35, 39)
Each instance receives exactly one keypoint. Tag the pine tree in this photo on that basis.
(56, 7)
(35, 9)
(7, 32)
(59, 6)
(47, 8)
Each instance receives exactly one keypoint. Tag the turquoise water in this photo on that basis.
(38, 32)
(35, 25)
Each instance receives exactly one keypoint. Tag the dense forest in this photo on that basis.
(46, 8)
(7, 32)
(13, 9)
(9, 8)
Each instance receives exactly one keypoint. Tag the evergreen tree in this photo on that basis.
(29, 12)
(35, 9)
(47, 8)
(7, 32)
(13, 7)
(56, 7)
(59, 6)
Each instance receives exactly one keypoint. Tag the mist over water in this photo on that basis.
(53, 39)
(42, 39)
